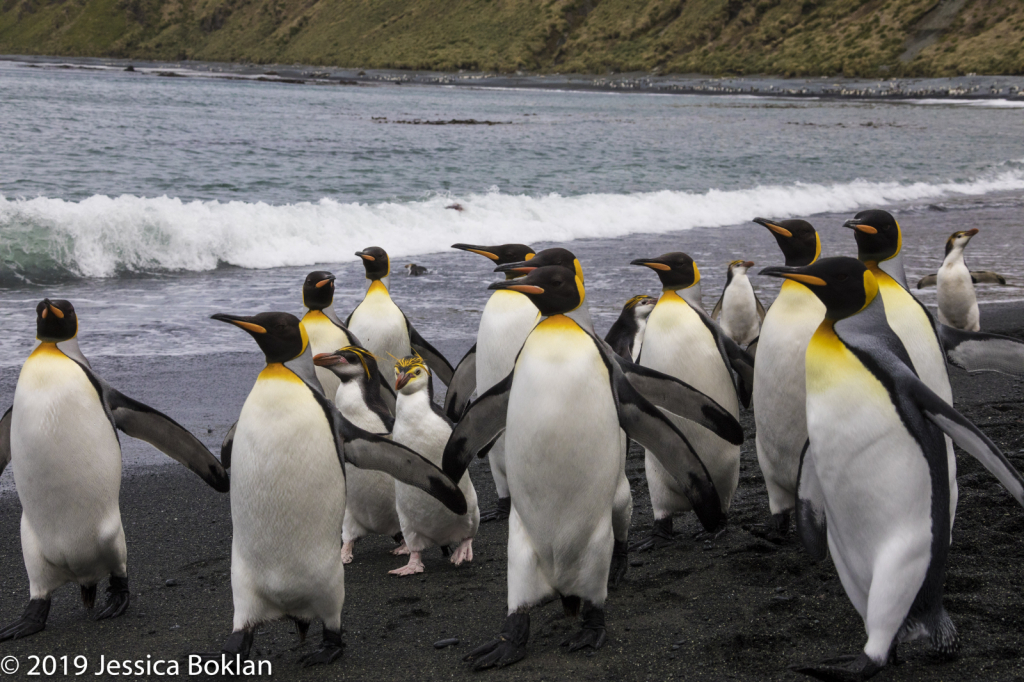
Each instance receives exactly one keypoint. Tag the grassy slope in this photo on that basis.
(788, 37)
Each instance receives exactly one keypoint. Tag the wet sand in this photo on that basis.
(740, 607)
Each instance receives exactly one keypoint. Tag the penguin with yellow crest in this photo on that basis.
(874, 488)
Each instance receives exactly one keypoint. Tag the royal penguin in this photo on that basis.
(627, 332)
(874, 483)
(684, 342)
(739, 307)
(289, 453)
(958, 304)
(779, 391)
(422, 426)
(561, 409)
(60, 437)
(507, 320)
(369, 494)
(383, 328)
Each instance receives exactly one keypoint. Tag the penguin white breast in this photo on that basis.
(739, 311)
(958, 303)
(380, 326)
(507, 320)
(324, 337)
(66, 460)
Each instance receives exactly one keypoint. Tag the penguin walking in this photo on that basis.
(507, 320)
(560, 409)
(682, 341)
(381, 325)
(289, 453)
(958, 304)
(739, 307)
(60, 437)
(876, 474)
(627, 332)
(779, 394)
(422, 426)
(369, 495)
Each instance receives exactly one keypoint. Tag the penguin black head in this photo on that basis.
(639, 306)
(350, 363)
(960, 239)
(318, 290)
(844, 285)
(553, 289)
(56, 321)
(280, 336)
(412, 375)
(555, 256)
(376, 262)
(878, 235)
(676, 270)
(798, 240)
(501, 255)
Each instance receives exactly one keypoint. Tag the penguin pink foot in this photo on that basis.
(414, 566)
(346, 552)
(401, 550)
(464, 552)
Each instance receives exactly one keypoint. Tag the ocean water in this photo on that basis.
(152, 202)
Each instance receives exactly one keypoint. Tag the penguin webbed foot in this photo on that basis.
(849, 668)
(88, 596)
(620, 562)
(302, 628)
(710, 536)
(238, 643)
(117, 598)
(33, 620)
(591, 633)
(661, 536)
(505, 649)
(500, 512)
(330, 650)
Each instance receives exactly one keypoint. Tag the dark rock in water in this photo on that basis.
(414, 270)
(129, 68)
(456, 207)
(445, 643)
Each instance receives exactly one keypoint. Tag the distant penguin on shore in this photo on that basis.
(958, 304)
(627, 332)
(60, 437)
(741, 311)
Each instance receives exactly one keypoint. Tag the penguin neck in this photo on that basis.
(416, 405)
(894, 268)
(327, 312)
(302, 367)
(691, 294)
(379, 285)
(956, 253)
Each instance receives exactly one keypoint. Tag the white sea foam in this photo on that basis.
(106, 236)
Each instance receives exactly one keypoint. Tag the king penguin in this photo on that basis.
(739, 307)
(561, 257)
(507, 320)
(682, 341)
(958, 304)
(561, 409)
(369, 495)
(381, 325)
(289, 453)
(874, 483)
(627, 332)
(779, 391)
(60, 436)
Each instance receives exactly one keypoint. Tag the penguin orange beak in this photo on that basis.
(795, 275)
(777, 229)
(482, 250)
(651, 263)
(860, 227)
(243, 322)
(748, 264)
(971, 232)
(51, 308)
(365, 256)
(401, 380)
(324, 282)
(521, 288)
(329, 359)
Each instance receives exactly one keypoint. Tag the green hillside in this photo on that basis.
(784, 37)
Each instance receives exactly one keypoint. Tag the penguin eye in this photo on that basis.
(842, 277)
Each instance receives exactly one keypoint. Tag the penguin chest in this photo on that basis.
(958, 304)
(507, 320)
(324, 337)
(381, 327)
(739, 311)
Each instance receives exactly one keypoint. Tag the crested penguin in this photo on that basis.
(289, 452)
(561, 409)
(683, 341)
(369, 495)
(741, 311)
(60, 437)
(382, 326)
(505, 323)
(874, 481)
(627, 332)
(422, 426)
(779, 392)
(958, 304)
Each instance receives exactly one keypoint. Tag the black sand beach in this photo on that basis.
(740, 607)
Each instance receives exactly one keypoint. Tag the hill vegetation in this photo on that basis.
(866, 38)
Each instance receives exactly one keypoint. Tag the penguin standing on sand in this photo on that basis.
(369, 495)
(958, 304)
(289, 451)
(561, 409)
(874, 484)
(682, 341)
(507, 320)
(779, 390)
(421, 425)
(741, 311)
(627, 332)
(381, 325)
(60, 436)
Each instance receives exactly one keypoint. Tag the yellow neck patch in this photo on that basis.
(579, 269)
(377, 287)
(46, 348)
(276, 371)
(817, 247)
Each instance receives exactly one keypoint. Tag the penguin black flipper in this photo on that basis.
(681, 399)
(752, 349)
(981, 351)
(987, 277)
(811, 521)
(462, 386)
(226, 445)
(479, 427)
(5, 439)
(761, 312)
(738, 362)
(367, 451)
(387, 393)
(437, 363)
(166, 435)
(928, 281)
(718, 306)
(645, 424)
